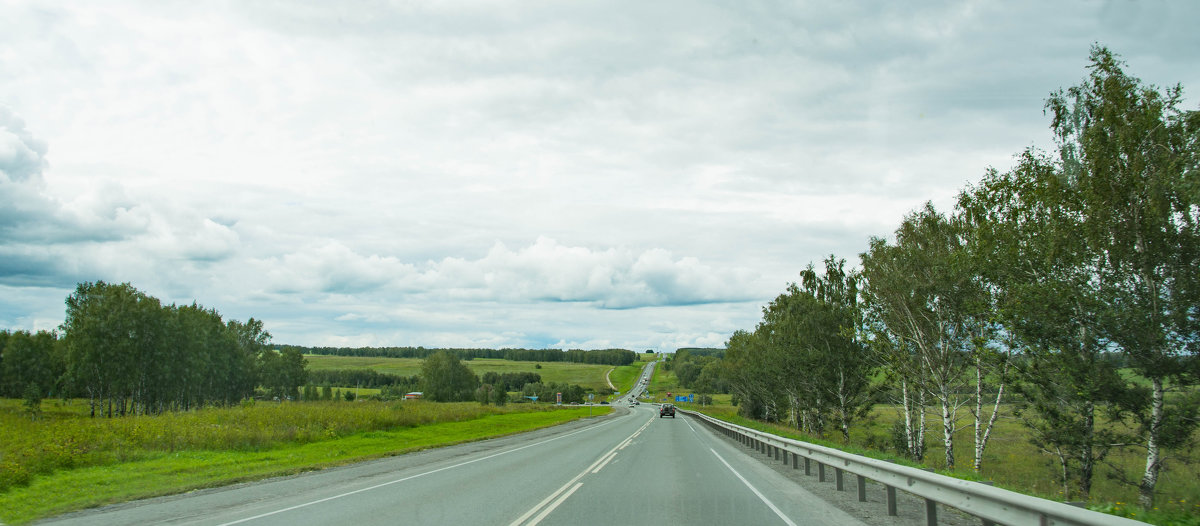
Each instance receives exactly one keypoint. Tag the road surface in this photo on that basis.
(631, 467)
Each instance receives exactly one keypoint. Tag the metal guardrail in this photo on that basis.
(992, 505)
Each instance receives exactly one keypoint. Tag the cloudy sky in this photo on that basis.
(576, 174)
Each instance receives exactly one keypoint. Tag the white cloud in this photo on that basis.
(558, 173)
(544, 271)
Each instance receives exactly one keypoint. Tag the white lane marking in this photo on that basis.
(755, 490)
(551, 508)
(377, 486)
(603, 458)
(605, 463)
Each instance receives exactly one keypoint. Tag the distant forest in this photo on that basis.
(601, 356)
(703, 351)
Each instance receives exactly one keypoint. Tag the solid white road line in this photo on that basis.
(551, 508)
(377, 486)
(755, 490)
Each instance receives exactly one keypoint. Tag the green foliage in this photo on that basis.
(549, 392)
(590, 376)
(282, 373)
(446, 379)
(510, 381)
(1173, 516)
(1131, 165)
(483, 394)
(33, 401)
(128, 354)
(360, 378)
(1097, 249)
(1041, 276)
(30, 361)
(804, 363)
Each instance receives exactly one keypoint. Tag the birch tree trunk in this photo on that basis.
(982, 432)
(947, 427)
(1153, 460)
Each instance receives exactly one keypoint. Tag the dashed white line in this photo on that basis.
(574, 483)
(388, 483)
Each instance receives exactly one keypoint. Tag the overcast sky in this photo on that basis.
(633, 174)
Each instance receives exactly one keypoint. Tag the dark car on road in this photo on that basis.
(666, 410)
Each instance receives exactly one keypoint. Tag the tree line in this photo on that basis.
(699, 370)
(368, 378)
(600, 356)
(399, 384)
(444, 378)
(127, 353)
(1035, 289)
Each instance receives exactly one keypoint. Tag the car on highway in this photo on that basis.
(666, 410)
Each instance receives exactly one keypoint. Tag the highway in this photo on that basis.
(631, 467)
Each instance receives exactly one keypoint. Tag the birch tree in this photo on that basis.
(1130, 159)
(1027, 225)
(919, 289)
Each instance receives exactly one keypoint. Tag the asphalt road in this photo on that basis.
(629, 468)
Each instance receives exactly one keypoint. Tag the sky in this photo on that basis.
(542, 174)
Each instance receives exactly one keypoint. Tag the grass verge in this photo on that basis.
(626, 375)
(130, 475)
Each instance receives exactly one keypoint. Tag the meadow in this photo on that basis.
(590, 376)
(1010, 460)
(107, 460)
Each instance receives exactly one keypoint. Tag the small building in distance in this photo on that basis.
(415, 395)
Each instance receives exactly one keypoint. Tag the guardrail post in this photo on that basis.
(837, 479)
(820, 472)
(807, 466)
(777, 452)
(890, 497)
(862, 488)
(930, 512)
(795, 461)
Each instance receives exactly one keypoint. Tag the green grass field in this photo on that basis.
(66, 461)
(624, 377)
(663, 382)
(586, 375)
